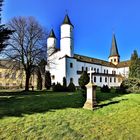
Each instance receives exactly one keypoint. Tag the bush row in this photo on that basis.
(59, 88)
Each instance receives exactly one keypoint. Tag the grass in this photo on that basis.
(60, 116)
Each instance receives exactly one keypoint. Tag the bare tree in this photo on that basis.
(27, 44)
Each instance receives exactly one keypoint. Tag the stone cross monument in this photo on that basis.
(91, 93)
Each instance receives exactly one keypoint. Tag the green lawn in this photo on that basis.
(60, 116)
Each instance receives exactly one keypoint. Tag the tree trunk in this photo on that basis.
(27, 81)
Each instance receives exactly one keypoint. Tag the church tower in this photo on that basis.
(51, 43)
(114, 56)
(66, 42)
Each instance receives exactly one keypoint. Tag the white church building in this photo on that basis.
(64, 62)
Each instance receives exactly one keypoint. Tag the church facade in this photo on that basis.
(64, 63)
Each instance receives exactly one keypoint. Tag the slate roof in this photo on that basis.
(96, 61)
(52, 34)
(114, 48)
(67, 20)
(124, 64)
(93, 60)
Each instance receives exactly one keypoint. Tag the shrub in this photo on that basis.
(71, 87)
(105, 88)
(58, 88)
(130, 85)
(83, 80)
(64, 82)
(39, 81)
(47, 80)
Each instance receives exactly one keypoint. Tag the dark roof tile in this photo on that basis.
(67, 20)
(52, 34)
(114, 48)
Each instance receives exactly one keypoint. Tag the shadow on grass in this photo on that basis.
(100, 96)
(110, 103)
(18, 105)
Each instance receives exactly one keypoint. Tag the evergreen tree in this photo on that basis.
(134, 68)
(64, 82)
(4, 32)
(138, 68)
(39, 80)
(83, 80)
(47, 80)
(71, 87)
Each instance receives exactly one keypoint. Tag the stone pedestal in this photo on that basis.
(91, 96)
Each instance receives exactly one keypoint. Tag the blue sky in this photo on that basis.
(94, 22)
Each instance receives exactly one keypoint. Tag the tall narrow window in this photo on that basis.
(86, 69)
(94, 79)
(107, 71)
(106, 79)
(114, 79)
(104, 71)
(100, 79)
(110, 80)
(82, 68)
(71, 65)
(97, 70)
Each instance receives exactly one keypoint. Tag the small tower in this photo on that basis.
(66, 43)
(114, 56)
(51, 43)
